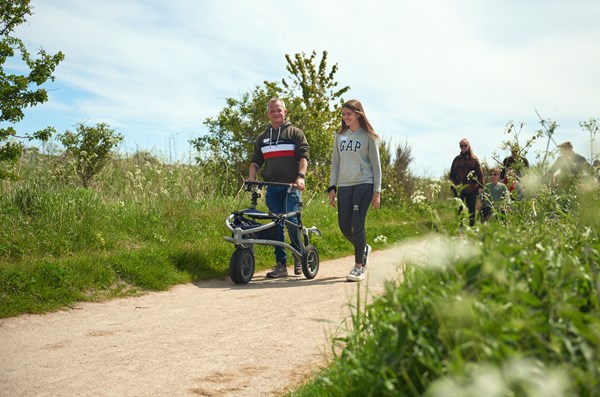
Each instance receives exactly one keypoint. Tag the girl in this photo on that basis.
(356, 178)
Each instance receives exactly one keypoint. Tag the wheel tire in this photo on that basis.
(310, 262)
(241, 266)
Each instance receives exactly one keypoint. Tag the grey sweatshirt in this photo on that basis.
(355, 160)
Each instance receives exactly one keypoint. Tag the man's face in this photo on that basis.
(566, 151)
(276, 114)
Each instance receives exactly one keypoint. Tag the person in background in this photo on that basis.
(495, 197)
(282, 152)
(513, 169)
(356, 178)
(467, 178)
(567, 167)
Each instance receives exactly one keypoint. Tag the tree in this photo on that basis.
(314, 104)
(224, 152)
(20, 91)
(90, 148)
(398, 182)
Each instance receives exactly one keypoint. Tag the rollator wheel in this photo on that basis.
(241, 266)
(310, 262)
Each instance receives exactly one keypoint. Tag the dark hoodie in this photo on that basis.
(280, 150)
(464, 164)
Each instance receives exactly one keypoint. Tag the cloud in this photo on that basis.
(427, 72)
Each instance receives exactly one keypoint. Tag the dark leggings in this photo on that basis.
(353, 204)
(470, 200)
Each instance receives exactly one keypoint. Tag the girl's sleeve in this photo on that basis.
(335, 164)
(375, 164)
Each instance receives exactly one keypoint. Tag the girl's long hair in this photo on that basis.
(357, 107)
(469, 152)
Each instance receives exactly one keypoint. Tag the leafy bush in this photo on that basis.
(89, 149)
(507, 309)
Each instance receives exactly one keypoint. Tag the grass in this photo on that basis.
(514, 310)
(142, 226)
(506, 308)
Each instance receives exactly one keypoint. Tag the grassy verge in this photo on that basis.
(510, 308)
(65, 245)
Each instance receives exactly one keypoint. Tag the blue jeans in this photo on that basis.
(280, 201)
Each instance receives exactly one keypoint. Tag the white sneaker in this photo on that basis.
(356, 274)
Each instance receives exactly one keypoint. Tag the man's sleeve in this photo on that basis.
(257, 156)
(301, 145)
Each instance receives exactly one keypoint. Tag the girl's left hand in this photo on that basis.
(376, 200)
(331, 196)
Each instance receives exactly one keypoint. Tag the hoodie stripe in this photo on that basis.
(281, 150)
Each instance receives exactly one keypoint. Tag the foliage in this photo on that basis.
(316, 107)
(548, 130)
(591, 126)
(90, 149)
(511, 307)
(226, 150)
(313, 100)
(514, 144)
(397, 174)
(16, 93)
(142, 225)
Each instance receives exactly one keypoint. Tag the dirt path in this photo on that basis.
(207, 339)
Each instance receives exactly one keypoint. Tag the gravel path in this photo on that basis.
(210, 338)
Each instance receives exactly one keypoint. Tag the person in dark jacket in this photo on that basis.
(512, 171)
(569, 165)
(467, 178)
(282, 153)
(514, 162)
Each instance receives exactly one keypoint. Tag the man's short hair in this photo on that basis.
(273, 100)
(566, 145)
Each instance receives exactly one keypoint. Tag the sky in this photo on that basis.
(428, 72)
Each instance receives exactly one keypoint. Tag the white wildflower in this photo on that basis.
(380, 239)
(418, 197)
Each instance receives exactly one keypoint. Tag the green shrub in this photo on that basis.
(511, 307)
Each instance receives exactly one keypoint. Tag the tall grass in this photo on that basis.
(509, 308)
(142, 225)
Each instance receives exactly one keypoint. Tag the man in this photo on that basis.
(568, 165)
(282, 151)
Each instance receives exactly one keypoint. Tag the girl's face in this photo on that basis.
(351, 119)
(464, 146)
